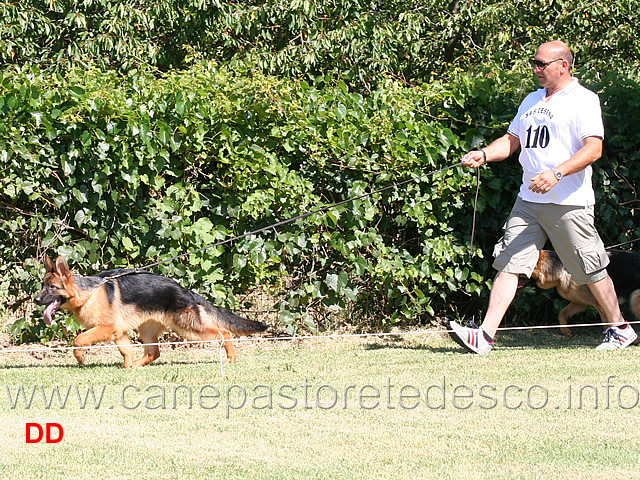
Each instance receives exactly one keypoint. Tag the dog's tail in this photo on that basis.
(229, 321)
(235, 323)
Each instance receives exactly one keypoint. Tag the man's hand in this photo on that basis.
(473, 159)
(498, 150)
(543, 182)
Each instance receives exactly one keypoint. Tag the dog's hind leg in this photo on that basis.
(566, 313)
(210, 333)
(223, 336)
(634, 303)
(103, 333)
(149, 333)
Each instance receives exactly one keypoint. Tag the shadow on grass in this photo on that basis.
(584, 337)
(110, 364)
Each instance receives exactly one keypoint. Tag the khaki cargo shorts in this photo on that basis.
(571, 230)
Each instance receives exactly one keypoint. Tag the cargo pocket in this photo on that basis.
(499, 247)
(593, 257)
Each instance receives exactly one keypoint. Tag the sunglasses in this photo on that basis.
(542, 65)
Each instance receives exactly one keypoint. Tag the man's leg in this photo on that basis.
(503, 291)
(480, 340)
(605, 294)
(582, 252)
(517, 251)
(620, 334)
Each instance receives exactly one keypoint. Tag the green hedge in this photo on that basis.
(131, 175)
(126, 171)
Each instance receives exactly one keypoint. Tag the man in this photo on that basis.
(559, 131)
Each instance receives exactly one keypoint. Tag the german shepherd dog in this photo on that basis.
(113, 303)
(623, 268)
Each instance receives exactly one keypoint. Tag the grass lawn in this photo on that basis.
(539, 406)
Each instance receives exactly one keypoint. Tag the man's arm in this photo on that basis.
(589, 153)
(498, 150)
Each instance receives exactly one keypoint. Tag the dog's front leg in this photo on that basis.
(103, 333)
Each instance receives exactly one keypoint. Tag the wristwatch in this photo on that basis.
(557, 173)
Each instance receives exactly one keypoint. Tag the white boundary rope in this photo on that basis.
(291, 338)
(301, 337)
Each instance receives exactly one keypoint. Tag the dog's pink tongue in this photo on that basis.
(50, 310)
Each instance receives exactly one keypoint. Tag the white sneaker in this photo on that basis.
(473, 338)
(617, 338)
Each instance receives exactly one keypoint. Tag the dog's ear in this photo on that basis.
(61, 267)
(48, 264)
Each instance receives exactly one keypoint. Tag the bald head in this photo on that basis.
(552, 66)
(557, 49)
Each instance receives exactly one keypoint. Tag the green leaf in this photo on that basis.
(127, 243)
(76, 91)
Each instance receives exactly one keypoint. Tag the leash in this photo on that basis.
(475, 209)
(623, 243)
(299, 217)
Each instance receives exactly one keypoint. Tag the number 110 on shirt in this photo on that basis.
(540, 137)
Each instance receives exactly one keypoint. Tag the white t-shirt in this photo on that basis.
(552, 132)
